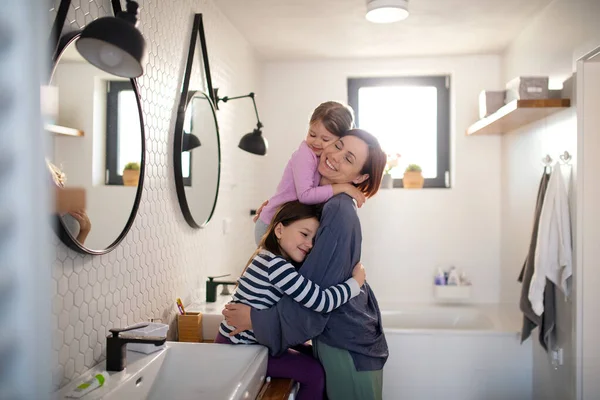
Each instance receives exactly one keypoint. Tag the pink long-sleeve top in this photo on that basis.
(300, 181)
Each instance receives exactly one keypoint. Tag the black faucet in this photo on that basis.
(211, 287)
(116, 346)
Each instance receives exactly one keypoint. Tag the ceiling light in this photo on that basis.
(386, 11)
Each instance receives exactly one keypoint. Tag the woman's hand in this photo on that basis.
(260, 210)
(359, 274)
(238, 316)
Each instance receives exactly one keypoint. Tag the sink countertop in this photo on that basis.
(182, 371)
(233, 371)
(136, 363)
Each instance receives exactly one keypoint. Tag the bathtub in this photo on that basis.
(436, 318)
(455, 352)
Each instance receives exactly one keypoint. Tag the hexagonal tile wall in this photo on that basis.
(161, 258)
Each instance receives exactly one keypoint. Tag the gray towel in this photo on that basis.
(546, 322)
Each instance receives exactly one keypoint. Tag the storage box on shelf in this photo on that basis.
(490, 101)
(527, 88)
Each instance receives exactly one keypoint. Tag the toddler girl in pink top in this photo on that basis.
(300, 180)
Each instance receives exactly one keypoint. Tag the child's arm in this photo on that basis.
(304, 165)
(284, 276)
(351, 191)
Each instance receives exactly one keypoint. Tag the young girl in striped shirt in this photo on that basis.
(270, 274)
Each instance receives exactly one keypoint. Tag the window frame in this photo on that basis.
(188, 181)
(442, 84)
(113, 88)
(190, 104)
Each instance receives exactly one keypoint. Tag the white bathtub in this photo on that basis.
(436, 318)
(466, 353)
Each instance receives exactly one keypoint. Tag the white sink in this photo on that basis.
(211, 315)
(184, 371)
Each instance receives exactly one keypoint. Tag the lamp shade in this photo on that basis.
(190, 142)
(254, 143)
(114, 45)
(386, 11)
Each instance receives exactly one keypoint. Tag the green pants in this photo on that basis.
(342, 380)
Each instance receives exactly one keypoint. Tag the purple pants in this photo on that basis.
(297, 364)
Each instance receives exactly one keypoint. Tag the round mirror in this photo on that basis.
(197, 159)
(96, 148)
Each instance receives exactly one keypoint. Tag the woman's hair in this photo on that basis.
(374, 165)
(287, 214)
(336, 117)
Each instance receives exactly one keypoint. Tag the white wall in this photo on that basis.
(406, 234)
(161, 258)
(522, 151)
(548, 46)
(564, 30)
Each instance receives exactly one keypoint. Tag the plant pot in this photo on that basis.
(413, 180)
(387, 182)
(131, 177)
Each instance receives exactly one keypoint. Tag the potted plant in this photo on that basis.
(387, 182)
(131, 174)
(413, 177)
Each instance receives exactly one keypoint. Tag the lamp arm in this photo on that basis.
(258, 123)
(251, 95)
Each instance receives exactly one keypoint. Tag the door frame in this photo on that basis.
(583, 200)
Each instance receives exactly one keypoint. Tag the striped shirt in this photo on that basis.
(269, 277)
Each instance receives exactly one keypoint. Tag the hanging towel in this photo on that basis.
(530, 319)
(553, 253)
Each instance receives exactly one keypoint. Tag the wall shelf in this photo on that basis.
(63, 130)
(516, 114)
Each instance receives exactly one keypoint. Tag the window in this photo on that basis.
(410, 116)
(123, 143)
(186, 156)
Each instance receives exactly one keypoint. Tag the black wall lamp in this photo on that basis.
(190, 142)
(114, 44)
(253, 142)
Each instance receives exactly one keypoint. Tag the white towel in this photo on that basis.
(553, 252)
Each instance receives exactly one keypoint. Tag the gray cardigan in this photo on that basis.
(355, 326)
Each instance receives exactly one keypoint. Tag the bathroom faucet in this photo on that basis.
(116, 346)
(211, 287)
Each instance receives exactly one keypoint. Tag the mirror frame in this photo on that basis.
(185, 99)
(62, 232)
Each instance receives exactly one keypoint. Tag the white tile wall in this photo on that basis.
(161, 258)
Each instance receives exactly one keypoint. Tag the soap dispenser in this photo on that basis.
(440, 278)
(453, 278)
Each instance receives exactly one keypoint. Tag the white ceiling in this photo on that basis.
(309, 29)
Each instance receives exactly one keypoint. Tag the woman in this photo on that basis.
(349, 341)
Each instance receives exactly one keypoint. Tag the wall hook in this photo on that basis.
(565, 157)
